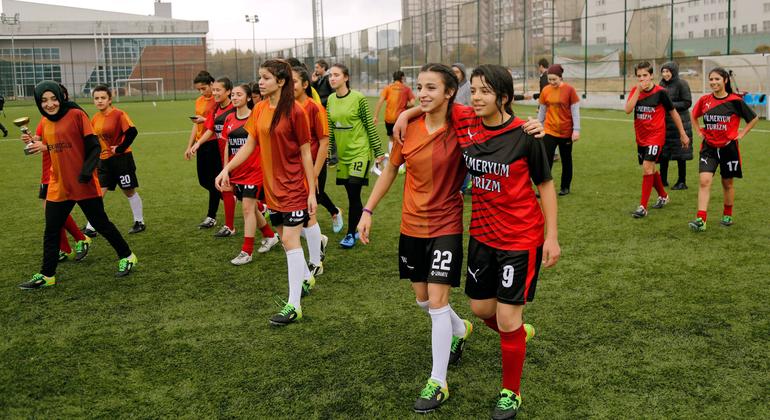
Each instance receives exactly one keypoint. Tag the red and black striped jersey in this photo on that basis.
(216, 119)
(504, 162)
(650, 115)
(250, 171)
(721, 117)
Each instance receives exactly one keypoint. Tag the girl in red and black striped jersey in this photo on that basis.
(213, 145)
(722, 112)
(510, 234)
(319, 148)
(280, 125)
(246, 179)
(649, 103)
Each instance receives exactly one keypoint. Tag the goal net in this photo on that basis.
(143, 86)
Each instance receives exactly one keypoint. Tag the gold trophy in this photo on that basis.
(22, 124)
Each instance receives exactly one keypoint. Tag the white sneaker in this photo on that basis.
(241, 259)
(208, 222)
(337, 221)
(324, 242)
(268, 243)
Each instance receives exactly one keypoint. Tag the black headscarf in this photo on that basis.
(64, 103)
(674, 69)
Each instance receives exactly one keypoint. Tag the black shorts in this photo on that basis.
(727, 158)
(431, 260)
(42, 193)
(389, 128)
(649, 153)
(509, 276)
(289, 219)
(118, 170)
(246, 191)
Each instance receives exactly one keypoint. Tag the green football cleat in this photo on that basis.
(508, 405)
(698, 225)
(38, 281)
(287, 315)
(64, 256)
(431, 397)
(125, 265)
(530, 330)
(307, 285)
(726, 220)
(81, 248)
(458, 344)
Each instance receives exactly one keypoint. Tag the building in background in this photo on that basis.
(83, 47)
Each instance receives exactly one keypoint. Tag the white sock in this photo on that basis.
(302, 233)
(88, 226)
(136, 207)
(441, 342)
(306, 273)
(423, 305)
(458, 326)
(295, 259)
(390, 147)
(313, 236)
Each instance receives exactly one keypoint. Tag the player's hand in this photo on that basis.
(188, 154)
(399, 129)
(194, 148)
(379, 160)
(702, 133)
(534, 127)
(551, 252)
(36, 146)
(222, 180)
(375, 120)
(364, 227)
(312, 204)
(685, 141)
(26, 138)
(575, 136)
(199, 119)
(527, 96)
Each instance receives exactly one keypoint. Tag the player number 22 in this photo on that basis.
(508, 276)
(732, 165)
(440, 263)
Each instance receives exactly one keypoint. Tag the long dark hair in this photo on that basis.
(304, 78)
(281, 70)
(726, 76)
(345, 72)
(246, 87)
(203, 77)
(450, 83)
(500, 81)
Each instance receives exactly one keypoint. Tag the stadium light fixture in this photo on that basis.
(253, 19)
(12, 21)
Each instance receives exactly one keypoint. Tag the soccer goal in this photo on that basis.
(136, 86)
(750, 74)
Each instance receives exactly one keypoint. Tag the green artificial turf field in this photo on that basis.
(640, 318)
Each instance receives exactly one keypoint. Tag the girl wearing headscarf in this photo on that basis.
(679, 92)
(74, 150)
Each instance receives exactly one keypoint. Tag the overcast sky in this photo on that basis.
(278, 18)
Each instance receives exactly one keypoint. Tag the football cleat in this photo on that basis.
(307, 285)
(138, 227)
(337, 221)
(64, 256)
(207, 223)
(81, 248)
(125, 265)
(458, 344)
(315, 270)
(431, 397)
(662, 201)
(697, 225)
(349, 241)
(639, 212)
(268, 243)
(530, 330)
(242, 258)
(89, 231)
(286, 316)
(507, 406)
(38, 281)
(324, 242)
(224, 232)
(726, 220)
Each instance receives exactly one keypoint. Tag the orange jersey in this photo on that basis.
(111, 130)
(433, 204)
(397, 96)
(46, 174)
(203, 107)
(64, 139)
(558, 116)
(284, 178)
(319, 124)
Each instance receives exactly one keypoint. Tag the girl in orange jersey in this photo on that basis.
(212, 138)
(430, 246)
(280, 125)
(74, 150)
(116, 133)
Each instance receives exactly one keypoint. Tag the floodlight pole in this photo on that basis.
(254, 19)
(12, 21)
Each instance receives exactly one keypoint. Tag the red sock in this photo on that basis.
(64, 244)
(702, 215)
(267, 231)
(514, 349)
(248, 245)
(229, 199)
(73, 229)
(728, 210)
(647, 181)
(658, 183)
(492, 323)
